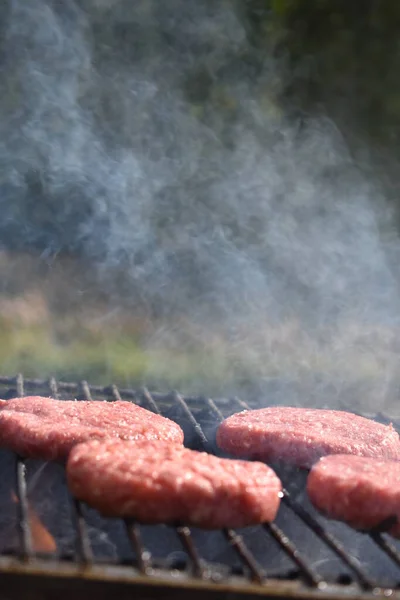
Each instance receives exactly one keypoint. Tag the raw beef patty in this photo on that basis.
(363, 492)
(160, 483)
(300, 436)
(44, 428)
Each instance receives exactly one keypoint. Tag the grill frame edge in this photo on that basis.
(41, 579)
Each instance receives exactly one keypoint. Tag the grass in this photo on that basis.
(209, 363)
(52, 327)
(100, 357)
(36, 351)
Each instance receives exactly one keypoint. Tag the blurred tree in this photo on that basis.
(343, 58)
(145, 102)
(340, 59)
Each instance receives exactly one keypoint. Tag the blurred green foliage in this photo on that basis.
(343, 58)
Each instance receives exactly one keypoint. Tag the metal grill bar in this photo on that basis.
(243, 405)
(329, 540)
(189, 546)
(214, 408)
(142, 555)
(132, 528)
(183, 532)
(324, 535)
(82, 542)
(86, 390)
(247, 558)
(19, 382)
(236, 541)
(150, 401)
(388, 548)
(195, 424)
(63, 386)
(23, 527)
(279, 536)
(233, 538)
(24, 530)
(53, 388)
(287, 545)
(115, 393)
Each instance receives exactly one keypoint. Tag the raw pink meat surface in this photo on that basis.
(361, 491)
(44, 428)
(160, 483)
(300, 436)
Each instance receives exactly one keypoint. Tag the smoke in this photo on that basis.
(148, 138)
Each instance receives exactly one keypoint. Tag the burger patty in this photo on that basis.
(160, 483)
(300, 436)
(44, 428)
(363, 492)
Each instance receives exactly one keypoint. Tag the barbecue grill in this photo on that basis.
(301, 555)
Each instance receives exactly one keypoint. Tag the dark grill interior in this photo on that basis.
(300, 554)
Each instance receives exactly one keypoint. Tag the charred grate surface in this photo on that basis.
(300, 547)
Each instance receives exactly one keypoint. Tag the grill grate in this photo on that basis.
(198, 414)
(25, 538)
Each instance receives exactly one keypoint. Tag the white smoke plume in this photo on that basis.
(147, 137)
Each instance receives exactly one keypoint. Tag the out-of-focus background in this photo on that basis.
(202, 195)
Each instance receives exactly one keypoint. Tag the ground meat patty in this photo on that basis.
(44, 428)
(300, 436)
(159, 483)
(363, 492)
